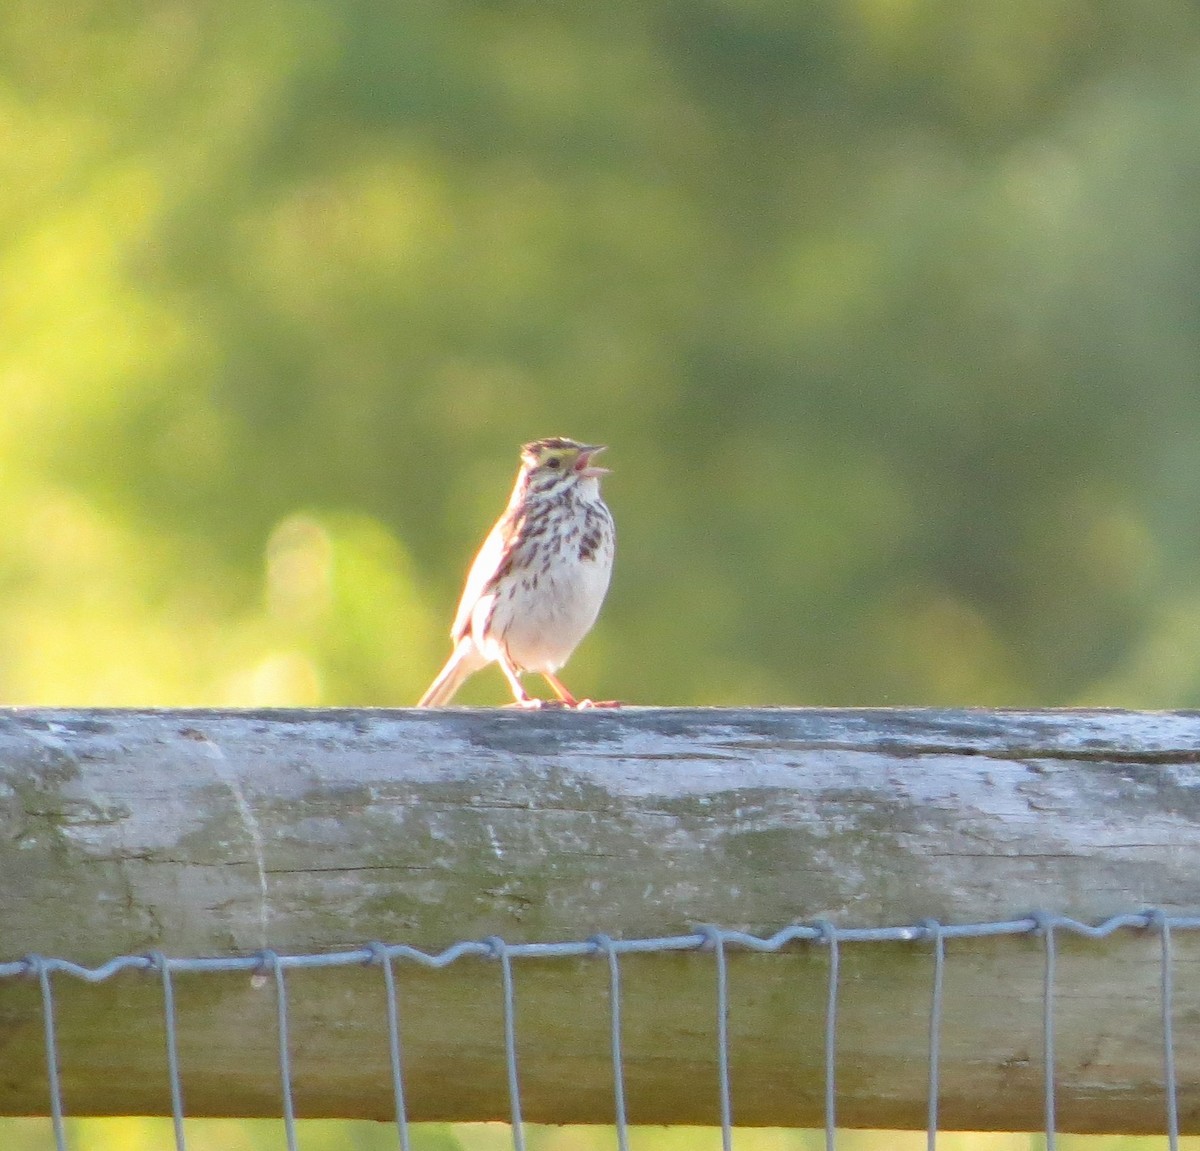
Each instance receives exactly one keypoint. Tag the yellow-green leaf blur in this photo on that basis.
(887, 309)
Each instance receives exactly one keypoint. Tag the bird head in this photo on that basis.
(549, 463)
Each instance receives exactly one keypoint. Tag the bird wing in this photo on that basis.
(488, 564)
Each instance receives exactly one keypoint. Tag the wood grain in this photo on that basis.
(203, 832)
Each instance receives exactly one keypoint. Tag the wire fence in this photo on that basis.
(714, 940)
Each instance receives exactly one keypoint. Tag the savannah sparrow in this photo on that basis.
(536, 585)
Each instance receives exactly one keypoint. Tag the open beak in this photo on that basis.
(584, 464)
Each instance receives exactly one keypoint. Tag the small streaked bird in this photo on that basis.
(537, 584)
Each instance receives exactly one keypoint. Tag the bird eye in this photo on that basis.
(553, 462)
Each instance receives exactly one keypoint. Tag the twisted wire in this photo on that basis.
(272, 960)
(604, 944)
(501, 950)
(714, 939)
(1046, 928)
(159, 960)
(935, 1031)
(41, 969)
(1167, 995)
(692, 941)
(379, 954)
(829, 935)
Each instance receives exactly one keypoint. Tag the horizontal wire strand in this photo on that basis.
(1047, 926)
(696, 941)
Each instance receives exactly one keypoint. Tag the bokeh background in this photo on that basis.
(889, 311)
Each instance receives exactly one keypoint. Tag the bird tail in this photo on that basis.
(463, 662)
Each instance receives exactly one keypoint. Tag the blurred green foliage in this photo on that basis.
(888, 309)
(330, 1135)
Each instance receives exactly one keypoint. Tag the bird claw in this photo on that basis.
(532, 704)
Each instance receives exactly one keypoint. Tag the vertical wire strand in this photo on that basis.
(500, 950)
(169, 1027)
(1051, 949)
(618, 1058)
(50, 1036)
(1170, 1081)
(394, 1051)
(935, 1033)
(718, 945)
(830, 937)
(285, 1057)
(43, 970)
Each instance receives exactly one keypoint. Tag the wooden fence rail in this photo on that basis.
(209, 833)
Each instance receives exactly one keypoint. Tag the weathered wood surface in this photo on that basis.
(209, 833)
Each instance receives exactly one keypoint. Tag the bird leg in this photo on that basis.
(522, 697)
(560, 689)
